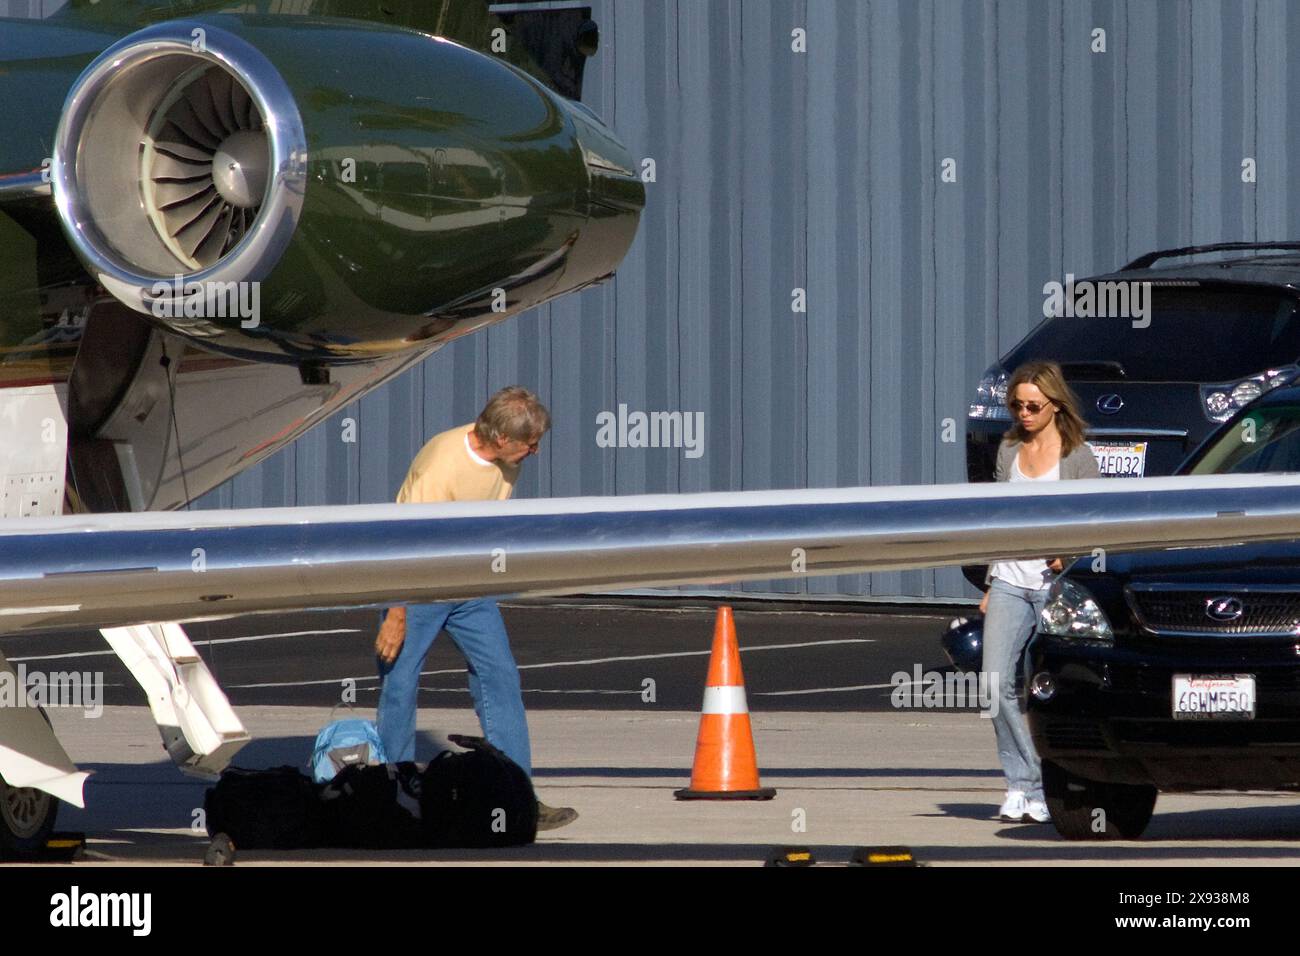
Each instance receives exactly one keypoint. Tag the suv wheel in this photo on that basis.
(1091, 810)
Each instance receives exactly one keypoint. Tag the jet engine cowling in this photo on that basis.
(323, 192)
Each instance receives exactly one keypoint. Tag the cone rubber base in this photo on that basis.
(765, 793)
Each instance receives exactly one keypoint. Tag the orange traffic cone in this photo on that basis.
(725, 766)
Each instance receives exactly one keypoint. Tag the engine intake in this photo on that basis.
(180, 152)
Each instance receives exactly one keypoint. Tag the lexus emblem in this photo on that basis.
(1110, 404)
(1223, 609)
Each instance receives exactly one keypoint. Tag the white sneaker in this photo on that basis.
(1036, 812)
(1013, 807)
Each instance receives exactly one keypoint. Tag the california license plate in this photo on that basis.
(1120, 459)
(1229, 697)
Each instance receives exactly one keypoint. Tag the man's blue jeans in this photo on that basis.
(477, 629)
(1009, 622)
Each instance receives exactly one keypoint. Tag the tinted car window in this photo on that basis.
(1195, 335)
(1265, 440)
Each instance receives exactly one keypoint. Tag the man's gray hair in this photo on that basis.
(514, 413)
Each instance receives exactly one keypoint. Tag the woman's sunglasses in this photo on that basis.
(1033, 408)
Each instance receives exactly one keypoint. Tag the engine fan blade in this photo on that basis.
(219, 85)
(198, 96)
(191, 235)
(184, 151)
(170, 168)
(168, 194)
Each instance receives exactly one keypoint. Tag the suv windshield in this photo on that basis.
(1265, 440)
(1195, 335)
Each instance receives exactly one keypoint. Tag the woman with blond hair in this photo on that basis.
(1046, 443)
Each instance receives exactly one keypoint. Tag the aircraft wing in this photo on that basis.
(127, 569)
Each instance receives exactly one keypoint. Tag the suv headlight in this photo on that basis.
(1221, 402)
(1071, 611)
(991, 396)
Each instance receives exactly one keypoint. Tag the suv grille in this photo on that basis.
(1181, 610)
(1065, 733)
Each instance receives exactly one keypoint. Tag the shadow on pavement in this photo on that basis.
(1229, 824)
(182, 850)
(967, 811)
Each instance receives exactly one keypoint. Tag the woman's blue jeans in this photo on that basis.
(1009, 622)
(477, 629)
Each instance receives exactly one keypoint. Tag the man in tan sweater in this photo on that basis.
(475, 462)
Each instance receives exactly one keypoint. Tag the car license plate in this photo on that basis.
(1229, 697)
(1120, 459)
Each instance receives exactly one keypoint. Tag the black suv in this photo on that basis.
(1218, 334)
(1174, 670)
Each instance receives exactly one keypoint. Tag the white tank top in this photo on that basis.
(1033, 574)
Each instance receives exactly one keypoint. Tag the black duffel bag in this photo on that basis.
(374, 808)
(474, 798)
(479, 798)
(277, 809)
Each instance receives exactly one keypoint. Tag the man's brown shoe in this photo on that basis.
(552, 818)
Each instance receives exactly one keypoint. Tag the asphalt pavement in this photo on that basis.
(587, 655)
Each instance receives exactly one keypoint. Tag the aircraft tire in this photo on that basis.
(26, 820)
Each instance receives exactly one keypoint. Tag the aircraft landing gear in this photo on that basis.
(26, 820)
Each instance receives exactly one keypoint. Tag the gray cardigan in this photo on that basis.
(1079, 463)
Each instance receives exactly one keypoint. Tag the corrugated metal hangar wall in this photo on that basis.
(776, 170)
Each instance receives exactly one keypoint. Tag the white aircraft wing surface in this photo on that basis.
(127, 569)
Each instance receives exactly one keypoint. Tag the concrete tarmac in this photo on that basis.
(929, 781)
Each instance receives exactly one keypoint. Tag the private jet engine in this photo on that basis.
(334, 192)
